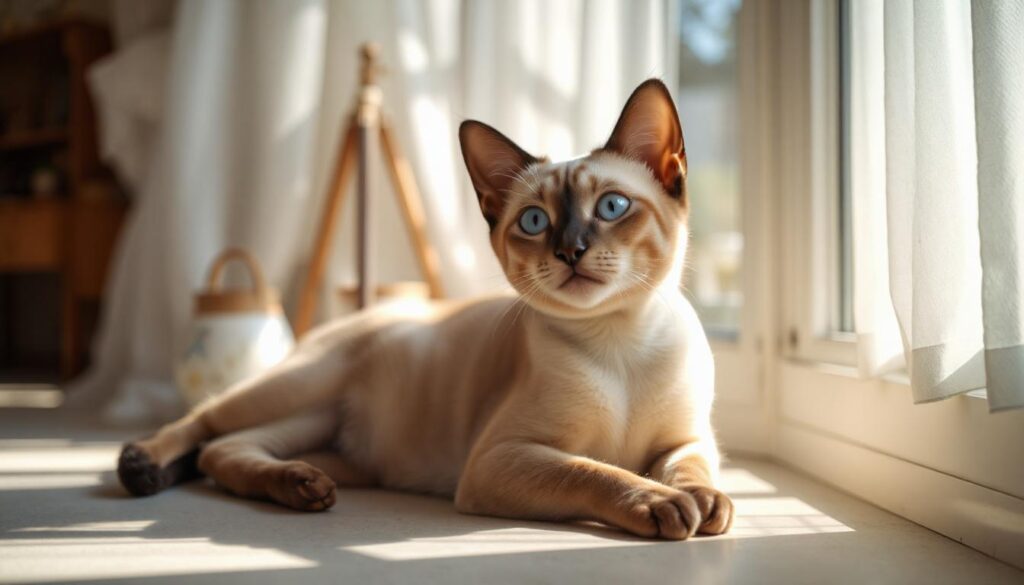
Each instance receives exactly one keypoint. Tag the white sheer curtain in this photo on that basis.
(251, 113)
(938, 144)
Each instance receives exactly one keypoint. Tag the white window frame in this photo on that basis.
(743, 414)
(811, 188)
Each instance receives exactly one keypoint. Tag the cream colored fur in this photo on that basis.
(573, 400)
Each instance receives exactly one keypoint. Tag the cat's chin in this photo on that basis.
(578, 297)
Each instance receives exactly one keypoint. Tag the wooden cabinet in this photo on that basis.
(91, 236)
(30, 235)
(47, 121)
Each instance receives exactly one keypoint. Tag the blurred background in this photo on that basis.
(139, 139)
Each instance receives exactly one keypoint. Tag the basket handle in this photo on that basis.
(259, 285)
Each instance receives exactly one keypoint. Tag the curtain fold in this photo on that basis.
(948, 103)
(998, 29)
(256, 95)
(880, 349)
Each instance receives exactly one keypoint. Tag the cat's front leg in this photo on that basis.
(689, 468)
(520, 479)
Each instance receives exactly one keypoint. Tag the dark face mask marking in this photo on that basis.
(572, 237)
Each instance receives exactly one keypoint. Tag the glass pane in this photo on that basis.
(709, 112)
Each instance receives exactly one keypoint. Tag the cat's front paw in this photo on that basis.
(668, 513)
(716, 509)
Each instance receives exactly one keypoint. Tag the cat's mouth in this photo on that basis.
(579, 279)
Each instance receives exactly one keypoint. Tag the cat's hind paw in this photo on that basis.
(303, 487)
(141, 476)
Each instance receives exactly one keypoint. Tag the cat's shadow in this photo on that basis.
(361, 518)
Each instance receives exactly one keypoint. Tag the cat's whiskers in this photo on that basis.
(644, 281)
(526, 298)
(530, 284)
(536, 281)
(512, 282)
(501, 318)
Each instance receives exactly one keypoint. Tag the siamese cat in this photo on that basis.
(587, 397)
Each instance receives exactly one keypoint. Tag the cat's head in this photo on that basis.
(591, 235)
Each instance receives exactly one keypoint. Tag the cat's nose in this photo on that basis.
(571, 254)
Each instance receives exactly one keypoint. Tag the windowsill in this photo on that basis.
(868, 436)
(897, 378)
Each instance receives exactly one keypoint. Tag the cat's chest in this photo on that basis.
(628, 406)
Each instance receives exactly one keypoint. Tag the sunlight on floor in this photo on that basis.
(30, 396)
(63, 459)
(21, 482)
(82, 559)
(42, 464)
(125, 526)
(740, 481)
(755, 517)
(487, 543)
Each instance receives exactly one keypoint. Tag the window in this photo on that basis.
(708, 108)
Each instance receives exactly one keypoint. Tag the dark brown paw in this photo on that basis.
(137, 472)
(304, 487)
(142, 477)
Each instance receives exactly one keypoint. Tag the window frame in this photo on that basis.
(743, 396)
(812, 192)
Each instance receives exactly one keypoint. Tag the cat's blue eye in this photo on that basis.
(533, 220)
(612, 206)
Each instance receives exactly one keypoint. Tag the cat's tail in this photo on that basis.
(141, 476)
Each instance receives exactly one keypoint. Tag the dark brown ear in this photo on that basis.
(648, 130)
(494, 162)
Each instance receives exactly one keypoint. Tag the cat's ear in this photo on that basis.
(494, 162)
(648, 130)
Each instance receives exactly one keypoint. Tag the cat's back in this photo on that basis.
(409, 321)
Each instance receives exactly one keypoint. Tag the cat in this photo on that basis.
(587, 397)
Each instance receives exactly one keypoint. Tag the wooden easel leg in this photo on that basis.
(412, 210)
(314, 275)
(366, 291)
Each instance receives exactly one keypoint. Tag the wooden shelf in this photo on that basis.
(33, 139)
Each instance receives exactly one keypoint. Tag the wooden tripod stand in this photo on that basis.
(365, 119)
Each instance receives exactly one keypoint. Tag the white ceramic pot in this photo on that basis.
(235, 333)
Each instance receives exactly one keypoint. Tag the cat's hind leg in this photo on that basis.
(287, 461)
(151, 465)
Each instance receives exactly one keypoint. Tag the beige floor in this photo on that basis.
(64, 519)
